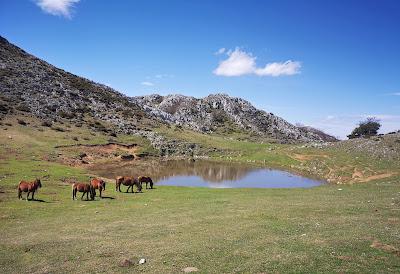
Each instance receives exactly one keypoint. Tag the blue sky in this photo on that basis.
(327, 64)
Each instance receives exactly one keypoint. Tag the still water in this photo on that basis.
(208, 174)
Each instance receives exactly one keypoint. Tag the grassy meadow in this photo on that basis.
(352, 227)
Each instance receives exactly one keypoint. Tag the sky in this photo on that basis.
(327, 64)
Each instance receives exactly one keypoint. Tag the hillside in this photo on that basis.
(220, 111)
(30, 86)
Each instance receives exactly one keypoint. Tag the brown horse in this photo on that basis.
(147, 180)
(98, 184)
(85, 188)
(127, 181)
(29, 187)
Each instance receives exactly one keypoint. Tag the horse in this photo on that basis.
(127, 181)
(85, 188)
(147, 180)
(98, 184)
(29, 187)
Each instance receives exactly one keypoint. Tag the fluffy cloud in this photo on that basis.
(238, 63)
(149, 84)
(277, 69)
(241, 63)
(57, 7)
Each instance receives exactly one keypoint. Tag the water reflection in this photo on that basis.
(208, 174)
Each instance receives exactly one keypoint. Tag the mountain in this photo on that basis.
(31, 85)
(220, 110)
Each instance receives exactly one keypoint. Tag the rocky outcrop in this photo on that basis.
(209, 113)
(324, 137)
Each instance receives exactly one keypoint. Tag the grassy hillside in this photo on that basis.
(332, 228)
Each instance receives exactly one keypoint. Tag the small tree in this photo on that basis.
(366, 128)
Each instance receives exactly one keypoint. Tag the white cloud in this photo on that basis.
(238, 63)
(220, 51)
(241, 63)
(57, 7)
(160, 76)
(395, 94)
(277, 69)
(145, 83)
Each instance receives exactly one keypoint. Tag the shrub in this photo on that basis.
(22, 107)
(46, 124)
(56, 128)
(366, 128)
(21, 122)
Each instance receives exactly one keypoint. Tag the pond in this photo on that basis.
(208, 174)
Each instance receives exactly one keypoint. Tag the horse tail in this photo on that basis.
(19, 190)
(73, 191)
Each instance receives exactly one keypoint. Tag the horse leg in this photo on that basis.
(33, 195)
(127, 189)
(100, 189)
(19, 193)
(83, 195)
(27, 196)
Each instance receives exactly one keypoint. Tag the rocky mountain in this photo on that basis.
(324, 137)
(31, 86)
(220, 110)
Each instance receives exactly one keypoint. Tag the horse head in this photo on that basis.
(38, 183)
(138, 185)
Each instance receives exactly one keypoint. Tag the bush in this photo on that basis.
(22, 107)
(366, 128)
(21, 122)
(46, 124)
(57, 128)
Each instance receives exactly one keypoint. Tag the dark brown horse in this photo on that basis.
(85, 188)
(29, 187)
(98, 184)
(127, 181)
(147, 180)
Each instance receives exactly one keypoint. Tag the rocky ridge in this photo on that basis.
(208, 113)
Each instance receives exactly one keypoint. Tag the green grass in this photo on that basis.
(322, 229)
(216, 230)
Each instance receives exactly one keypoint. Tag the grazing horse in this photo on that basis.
(147, 180)
(98, 184)
(127, 181)
(85, 188)
(29, 187)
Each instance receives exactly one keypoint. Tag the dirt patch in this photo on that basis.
(307, 157)
(385, 247)
(375, 177)
(90, 154)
